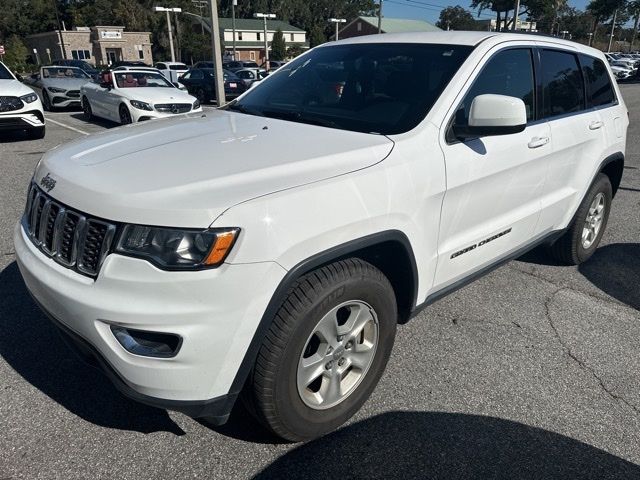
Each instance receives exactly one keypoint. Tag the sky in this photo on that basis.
(429, 10)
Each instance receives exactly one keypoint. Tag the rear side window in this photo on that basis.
(510, 73)
(600, 90)
(563, 89)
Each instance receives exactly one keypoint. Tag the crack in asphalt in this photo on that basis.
(581, 363)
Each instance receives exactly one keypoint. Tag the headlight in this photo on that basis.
(196, 104)
(175, 249)
(29, 98)
(56, 90)
(141, 105)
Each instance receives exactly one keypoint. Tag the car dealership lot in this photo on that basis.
(532, 372)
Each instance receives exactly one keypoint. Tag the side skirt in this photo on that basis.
(548, 238)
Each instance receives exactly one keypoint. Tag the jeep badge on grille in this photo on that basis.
(47, 182)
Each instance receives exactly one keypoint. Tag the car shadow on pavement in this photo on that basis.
(31, 345)
(95, 120)
(448, 446)
(615, 269)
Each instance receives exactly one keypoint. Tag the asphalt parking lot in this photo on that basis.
(532, 372)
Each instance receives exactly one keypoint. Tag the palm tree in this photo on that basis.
(634, 11)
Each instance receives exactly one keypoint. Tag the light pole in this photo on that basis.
(200, 4)
(613, 27)
(564, 33)
(233, 26)
(380, 18)
(264, 17)
(590, 35)
(337, 21)
(164, 9)
(217, 54)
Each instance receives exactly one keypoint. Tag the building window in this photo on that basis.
(359, 25)
(240, 36)
(259, 35)
(252, 55)
(141, 54)
(292, 38)
(80, 54)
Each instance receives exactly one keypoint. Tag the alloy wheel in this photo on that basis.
(593, 222)
(337, 354)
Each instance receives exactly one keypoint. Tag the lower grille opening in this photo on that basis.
(147, 344)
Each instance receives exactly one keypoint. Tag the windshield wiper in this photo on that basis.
(236, 107)
(300, 117)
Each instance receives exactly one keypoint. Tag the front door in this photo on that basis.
(114, 55)
(492, 202)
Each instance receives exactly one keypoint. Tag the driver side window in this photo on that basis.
(510, 73)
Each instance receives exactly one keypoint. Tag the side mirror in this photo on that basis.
(176, 84)
(492, 115)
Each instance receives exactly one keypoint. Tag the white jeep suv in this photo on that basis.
(271, 247)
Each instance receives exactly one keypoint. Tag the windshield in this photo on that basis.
(141, 79)
(63, 72)
(5, 74)
(374, 88)
(180, 66)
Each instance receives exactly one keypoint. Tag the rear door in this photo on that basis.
(577, 136)
(492, 202)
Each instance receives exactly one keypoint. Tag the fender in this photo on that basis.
(305, 266)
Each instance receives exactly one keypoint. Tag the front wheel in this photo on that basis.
(581, 239)
(125, 115)
(325, 352)
(46, 102)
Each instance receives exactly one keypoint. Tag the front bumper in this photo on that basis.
(216, 312)
(138, 115)
(21, 120)
(61, 100)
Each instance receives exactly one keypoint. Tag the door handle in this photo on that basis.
(537, 142)
(595, 125)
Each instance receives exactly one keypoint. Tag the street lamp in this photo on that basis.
(337, 21)
(264, 17)
(173, 9)
(590, 35)
(564, 33)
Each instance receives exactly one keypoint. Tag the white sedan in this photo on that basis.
(20, 107)
(135, 95)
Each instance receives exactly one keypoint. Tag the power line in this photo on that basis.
(435, 8)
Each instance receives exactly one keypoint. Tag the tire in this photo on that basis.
(46, 102)
(201, 96)
(125, 115)
(572, 248)
(36, 133)
(86, 109)
(274, 393)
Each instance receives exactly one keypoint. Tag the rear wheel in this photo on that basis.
(86, 109)
(585, 232)
(325, 351)
(125, 115)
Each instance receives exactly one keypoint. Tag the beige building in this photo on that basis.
(101, 45)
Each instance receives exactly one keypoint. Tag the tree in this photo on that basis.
(634, 11)
(278, 46)
(456, 18)
(16, 54)
(603, 10)
(316, 36)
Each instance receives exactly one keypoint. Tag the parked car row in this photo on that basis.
(624, 65)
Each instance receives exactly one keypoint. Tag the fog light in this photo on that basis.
(147, 344)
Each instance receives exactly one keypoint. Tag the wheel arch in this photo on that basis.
(613, 167)
(390, 251)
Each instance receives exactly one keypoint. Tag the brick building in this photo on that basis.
(101, 45)
(369, 26)
(250, 36)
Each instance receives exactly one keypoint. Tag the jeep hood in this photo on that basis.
(186, 171)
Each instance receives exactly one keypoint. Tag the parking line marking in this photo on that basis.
(66, 126)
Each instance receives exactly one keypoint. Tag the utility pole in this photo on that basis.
(64, 50)
(380, 17)
(337, 21)
(590, 35)
(217, 54)
(167, 10)
(516, 15)
(233, 26)
(613, 27)
(175, 17)
(264, 17)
